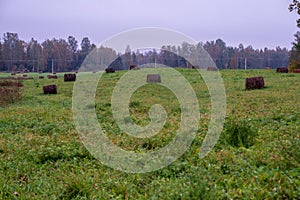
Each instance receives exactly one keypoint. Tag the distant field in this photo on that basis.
(42, 157)
(4, 75)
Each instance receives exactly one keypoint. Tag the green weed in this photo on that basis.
(239, 132)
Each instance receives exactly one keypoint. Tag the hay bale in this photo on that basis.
(22, 78)
(52, 77)
(153, 78)
(41, 77)
(255, 83)
(69, 77)
(282, 70)
(50, 89)
(110, 70)
(212, 68)
(296, 70)
(134, 67)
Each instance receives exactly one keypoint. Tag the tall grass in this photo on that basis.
(239, 133)
(9, 92)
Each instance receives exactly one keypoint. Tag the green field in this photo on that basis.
(42, 157)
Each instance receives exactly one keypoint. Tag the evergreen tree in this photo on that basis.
(295, 53)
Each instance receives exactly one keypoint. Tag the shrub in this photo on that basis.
(238, 133)
(293, 66)
(10, 92)
(9, 83)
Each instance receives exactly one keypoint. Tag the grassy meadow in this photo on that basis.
(256, 157)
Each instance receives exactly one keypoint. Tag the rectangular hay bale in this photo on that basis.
(50, 89)
(255, 83)
(69, 77)
(212, 68)
(153, 78)
(52, 77)
(110, 70)
(296, 71)
(282, 70)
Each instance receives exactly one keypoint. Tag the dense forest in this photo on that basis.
(67, 55)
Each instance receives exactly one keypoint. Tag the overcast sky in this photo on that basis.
(260, 23)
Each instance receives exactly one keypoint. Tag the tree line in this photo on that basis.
(68, 55)
(295, 52)
(16, 54)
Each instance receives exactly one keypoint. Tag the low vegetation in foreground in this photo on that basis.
(257, 156)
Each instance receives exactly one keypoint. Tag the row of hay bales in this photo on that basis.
(24, 71)
(14, 75)
(135, 67)
(48, 89)
(67, 77)
(250, 83)
(258, 82)
(286, 70)
(17, 78)
(52, 89)
(211, 68)
(112, 70)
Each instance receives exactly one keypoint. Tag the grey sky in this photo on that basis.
(261, 23)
